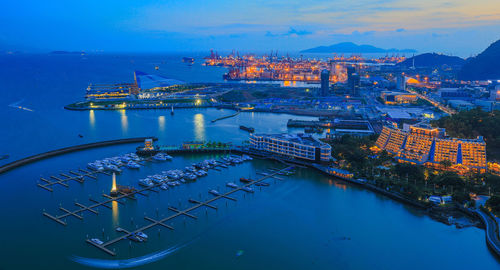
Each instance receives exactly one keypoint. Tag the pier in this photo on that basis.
(162, 222)
(30, 159)
(83, 208)
(78, 177)
(225, 117)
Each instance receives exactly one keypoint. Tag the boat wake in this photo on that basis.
(128, 263)
(16, 105)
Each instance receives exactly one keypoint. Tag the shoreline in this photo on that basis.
(491, 227)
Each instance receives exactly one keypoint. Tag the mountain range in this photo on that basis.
(433, 60)
(349, 47)
(485, 66)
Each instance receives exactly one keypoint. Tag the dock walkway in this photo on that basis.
(185, 212)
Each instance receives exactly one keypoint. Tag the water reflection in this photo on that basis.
(92, 119)
(114, 209)
(161, 123)
(199, 127)
(124, 120)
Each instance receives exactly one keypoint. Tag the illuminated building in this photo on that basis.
(148, 144)
(110, 91)
(397, 97)
(423, 145)
(300, 146)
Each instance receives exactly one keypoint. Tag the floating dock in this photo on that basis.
(162, 222)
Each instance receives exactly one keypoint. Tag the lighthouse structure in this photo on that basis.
(114, 189)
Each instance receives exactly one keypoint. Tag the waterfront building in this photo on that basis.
(392, 98)
(148, 144)
(299, 146)
(325, 83)
(110, 91)
(424, 145)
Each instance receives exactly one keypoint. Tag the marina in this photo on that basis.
(161, 222)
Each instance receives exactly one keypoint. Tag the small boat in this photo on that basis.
(95, 167)
(146, 182)
(214, 192)
(172, 111)
(142, 235)
(111, 167)
(249, 129)
(262, 184)
(245, 180)
(135, 238)
(247, 189)
(96, 241)
(160, 157)
(232, 185)
(190, 176)
(80, 135)
(133, 165)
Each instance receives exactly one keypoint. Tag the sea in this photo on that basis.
(304, 221)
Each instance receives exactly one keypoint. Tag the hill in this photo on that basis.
(349, 47)
(484, 66)
(433, 60)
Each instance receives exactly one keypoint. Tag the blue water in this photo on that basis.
(308, 221)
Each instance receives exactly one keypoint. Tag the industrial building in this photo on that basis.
(390, 97)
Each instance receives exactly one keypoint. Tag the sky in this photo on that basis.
(456, 27)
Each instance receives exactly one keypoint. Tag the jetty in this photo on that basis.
(75, 176)
(162, 222)
(30, 159)
(225, 117)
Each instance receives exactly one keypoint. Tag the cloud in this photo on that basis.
(294, 31)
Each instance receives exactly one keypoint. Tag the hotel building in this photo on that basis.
(424, 145)
(298, 146)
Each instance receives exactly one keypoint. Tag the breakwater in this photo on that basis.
(30, 159)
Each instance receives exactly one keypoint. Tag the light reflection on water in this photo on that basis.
(161, 123)
(199, 127)
(92, 119)
(124, 121)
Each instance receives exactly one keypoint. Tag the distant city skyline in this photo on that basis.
(460, 27)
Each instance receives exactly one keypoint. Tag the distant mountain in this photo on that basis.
(67, 52)
(485, 66)
(349, 47)
(433, 60)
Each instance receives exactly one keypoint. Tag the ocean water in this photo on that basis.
(307, 221)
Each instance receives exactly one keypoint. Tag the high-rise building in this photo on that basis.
(401, 82)
(325, 83)
(353, 83)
